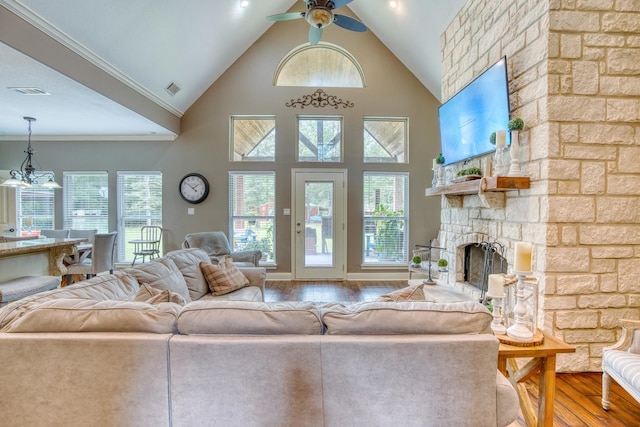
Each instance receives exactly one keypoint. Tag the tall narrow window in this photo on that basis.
(139, 204)
(252, 212)
(86, 201)
(385, 218)
(253, 138)
(35, 209)
(385, 140)
(319, 139)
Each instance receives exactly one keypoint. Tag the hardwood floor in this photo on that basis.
(578, 395)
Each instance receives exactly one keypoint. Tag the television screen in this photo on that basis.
(468, 119)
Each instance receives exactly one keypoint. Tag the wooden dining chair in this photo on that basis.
(149, 243)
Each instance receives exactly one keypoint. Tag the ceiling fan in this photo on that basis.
(319, 14)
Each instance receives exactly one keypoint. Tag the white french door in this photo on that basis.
(319, 223)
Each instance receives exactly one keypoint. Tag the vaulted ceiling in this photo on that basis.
(106, 65)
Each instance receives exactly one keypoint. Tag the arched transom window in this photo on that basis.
(321, 65)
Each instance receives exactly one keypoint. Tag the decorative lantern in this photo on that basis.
(521, 304)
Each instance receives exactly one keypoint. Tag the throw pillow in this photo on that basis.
(161, 274)
(410, 293)
(223, 277)
(155, 296)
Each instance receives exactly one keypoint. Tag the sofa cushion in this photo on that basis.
(249, 318)
(188, 262)
(410, 293)
(78, 315)
(161, 274)
(248, 293)
(223, 277)
(154, 296)
(118, 286)
(406, 317)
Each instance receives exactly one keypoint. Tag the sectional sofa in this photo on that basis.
(93, 354)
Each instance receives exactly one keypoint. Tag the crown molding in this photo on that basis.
(41, 24)
(151, 138)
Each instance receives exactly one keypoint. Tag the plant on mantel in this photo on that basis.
(516, 124)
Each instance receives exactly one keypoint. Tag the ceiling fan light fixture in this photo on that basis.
(244, 3)
(319, 17)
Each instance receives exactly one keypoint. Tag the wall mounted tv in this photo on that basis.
(470, 116)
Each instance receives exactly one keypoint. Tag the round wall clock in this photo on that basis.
(194, 188)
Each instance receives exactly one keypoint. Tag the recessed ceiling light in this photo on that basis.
(394, 4)
(244, 3)
(29, 90)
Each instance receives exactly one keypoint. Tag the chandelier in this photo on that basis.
(28, 175)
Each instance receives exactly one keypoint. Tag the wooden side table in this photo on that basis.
(543, 362)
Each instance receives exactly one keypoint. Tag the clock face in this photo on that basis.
(194, 188)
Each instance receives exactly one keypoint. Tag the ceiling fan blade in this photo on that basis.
(286, 16)
(314, 35)
(349, 23)
(340, 3)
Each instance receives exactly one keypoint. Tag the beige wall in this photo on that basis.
(573, 69)
(246, 88)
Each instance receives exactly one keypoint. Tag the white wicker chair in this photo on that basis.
(621, 362)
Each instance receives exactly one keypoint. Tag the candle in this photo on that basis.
(435, 164)
(522, 258)
(496, 286)
(28, 221)
(501, 138)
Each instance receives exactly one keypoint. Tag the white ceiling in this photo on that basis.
(147, 44)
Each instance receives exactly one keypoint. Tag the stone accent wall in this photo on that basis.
(574, 71)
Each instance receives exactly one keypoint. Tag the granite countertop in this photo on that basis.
(35, 245)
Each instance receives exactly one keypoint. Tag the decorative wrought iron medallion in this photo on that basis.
(320, 98)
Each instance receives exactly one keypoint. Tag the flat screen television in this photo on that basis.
(468, 119)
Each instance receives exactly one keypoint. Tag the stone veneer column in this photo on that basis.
(574, 71)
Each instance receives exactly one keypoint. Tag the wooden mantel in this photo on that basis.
(494, 183)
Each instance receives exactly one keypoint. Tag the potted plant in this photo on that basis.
(416, 261)
(442, 264)
(516, 124)
(492, 138)
(440, 159)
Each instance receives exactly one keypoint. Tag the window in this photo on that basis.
(319, 139)
(139, 203)
(321, 65)
(86, 201)
(252, 198)
(385, 218)
(253, 138)
(385, 140)
(35, 208)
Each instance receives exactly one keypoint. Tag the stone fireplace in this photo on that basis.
(574, 80)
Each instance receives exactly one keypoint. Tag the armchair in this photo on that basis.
(621, 362)
(216, 244)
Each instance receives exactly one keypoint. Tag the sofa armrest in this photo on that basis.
(252, 256)
(257, 276)
(630, 333)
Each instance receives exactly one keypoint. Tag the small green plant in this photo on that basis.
(440, 159)
(492, 138)
(469, 171)
(416, 260)
(516, 124)
(442, 263)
